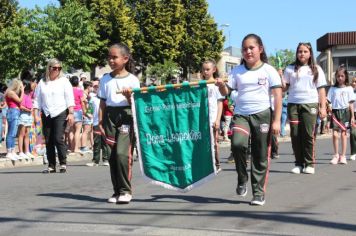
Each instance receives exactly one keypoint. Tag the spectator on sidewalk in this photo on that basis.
(87, 118)
(13, 96)
(54, 97)
(99, 140)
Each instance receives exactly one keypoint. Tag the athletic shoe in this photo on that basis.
(63, 169)
(218, 169)
(125, 198)
(335, 159)
(92, 164)
(11, 156)
(113, 199)
(23, 156)
(30, 155)
(258, 201)
(49, 170)
(353, 157)
(297, 170)
(231, 159)
(275, 156)
(309, 170)
(241, 190)
(85, 150)
(17, 156)
(106, 163)
(343, 160)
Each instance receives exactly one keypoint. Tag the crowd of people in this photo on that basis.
(76, 115)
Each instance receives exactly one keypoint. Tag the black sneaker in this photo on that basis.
(258, 200)
(241, 190)
(63, 169)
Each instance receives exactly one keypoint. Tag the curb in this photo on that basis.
(38, 161)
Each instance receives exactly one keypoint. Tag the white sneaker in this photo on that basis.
(30, 155)
(309, 170)
(125, 198)
(106, 163)
(343, 160)
(17, 156)
(92, 164)
(11, 156)
(23, 156)
(113, 199)
(297, 170)
(335, 159)
(353, 157)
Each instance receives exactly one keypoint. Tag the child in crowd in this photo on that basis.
(255, 80)
(215, 99)
(99, 140)
(341, 97)
(13, 96)
(79, 108)
(228, 113)
(26, 120)
(87, 118)
(116, 121)
(353, 127)
(305, 82)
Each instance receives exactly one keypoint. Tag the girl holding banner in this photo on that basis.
(255, 80)
(215, 106)
(115, 119)
(341, 96)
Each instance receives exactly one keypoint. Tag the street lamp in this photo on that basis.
(226, 26)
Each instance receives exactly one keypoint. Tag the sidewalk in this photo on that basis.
(7, 163)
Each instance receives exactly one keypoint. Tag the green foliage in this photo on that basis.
(164, 72)
(202, 39)
(37, 35)
(114, 22)
(282, 58)
(162, 26)
(7, 13)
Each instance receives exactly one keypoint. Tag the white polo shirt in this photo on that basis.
(109, 87)
(253, 88)
(302, 89)
(340, 98)
(53, 96)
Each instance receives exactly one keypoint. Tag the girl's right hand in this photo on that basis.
(102, 131)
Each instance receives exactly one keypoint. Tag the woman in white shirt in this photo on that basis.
(54, 98)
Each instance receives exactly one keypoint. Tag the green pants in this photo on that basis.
(302, 120)
(118, 126)
(353, 139)
(100, 146)
(258, 126)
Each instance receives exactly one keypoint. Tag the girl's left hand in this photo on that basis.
(127, 93)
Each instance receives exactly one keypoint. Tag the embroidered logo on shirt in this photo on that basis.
(264, 128)
(262, 81)
(313, 110)
(124, 129)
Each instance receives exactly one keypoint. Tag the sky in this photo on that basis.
(281, 24)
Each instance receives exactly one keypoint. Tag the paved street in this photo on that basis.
(75, 203)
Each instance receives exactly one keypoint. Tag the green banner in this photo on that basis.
(174, 136)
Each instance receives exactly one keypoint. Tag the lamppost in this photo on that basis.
(227, 26)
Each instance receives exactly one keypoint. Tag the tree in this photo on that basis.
(72, 34)
(23, 45)
(8, 9)
(161, 30)
(202, 39)
(164, 73)
(114, 23)
(282, 58)
(37, 35)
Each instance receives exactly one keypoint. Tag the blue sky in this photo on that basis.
(282, 24)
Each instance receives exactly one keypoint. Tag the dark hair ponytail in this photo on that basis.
(125, 51)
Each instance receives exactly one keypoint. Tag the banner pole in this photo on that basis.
(164, 87)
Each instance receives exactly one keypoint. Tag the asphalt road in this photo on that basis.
(74, 203)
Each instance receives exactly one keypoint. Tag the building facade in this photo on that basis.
(337, 49)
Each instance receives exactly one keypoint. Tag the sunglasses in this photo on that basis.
(56, 68)
(304, 43)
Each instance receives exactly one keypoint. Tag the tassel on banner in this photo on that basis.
(161, 88)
